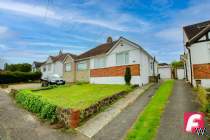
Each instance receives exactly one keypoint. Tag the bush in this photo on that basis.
(202, 97)
(127, 75)
(7, 77)
(36, 104)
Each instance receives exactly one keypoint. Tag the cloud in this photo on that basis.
(3, 30)
(5, 33)
(2, 46)
(28, 9)
(116, 21)
(170, 34)
(55, 45)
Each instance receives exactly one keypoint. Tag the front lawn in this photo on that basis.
(145, 128)
(79, 96)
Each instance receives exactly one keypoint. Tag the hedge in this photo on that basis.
(36, 104)
(7, 77)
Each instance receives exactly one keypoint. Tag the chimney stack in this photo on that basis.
(60, 52)
(109, 39)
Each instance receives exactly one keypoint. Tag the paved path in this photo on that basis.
(18, 124)
(182, 100)
(118, 127)
(22, 86)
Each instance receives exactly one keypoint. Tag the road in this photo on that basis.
(18, 124)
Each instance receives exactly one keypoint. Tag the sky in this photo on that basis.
(31, 30)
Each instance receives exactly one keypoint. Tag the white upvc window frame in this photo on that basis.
(209, 35)
(49, 67)
(84, 63)
(209, 51)
(68, 67)
(100, 62)
(125, 59)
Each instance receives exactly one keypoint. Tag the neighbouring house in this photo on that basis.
(36, 66)
(165, 71)
(62, 65)
(197, 53)
(106, 64)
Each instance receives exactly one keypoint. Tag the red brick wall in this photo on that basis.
(201, 71)
(115, 71)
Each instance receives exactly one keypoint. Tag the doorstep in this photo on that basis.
(95, 124)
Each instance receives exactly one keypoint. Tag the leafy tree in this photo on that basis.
(25, 67)
(177, 64)
(127, 75)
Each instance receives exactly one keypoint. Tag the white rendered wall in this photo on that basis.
(114, 80)
(136, 56)
(165, 72)
(180, 74)
(111, 58)
(58, 68)
(200, 53)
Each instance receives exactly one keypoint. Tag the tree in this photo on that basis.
(25, 67)
(177, 64)
(127, 75)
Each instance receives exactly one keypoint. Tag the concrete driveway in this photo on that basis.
(182, 100)
(22, 86)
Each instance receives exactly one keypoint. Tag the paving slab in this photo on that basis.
(22, 86)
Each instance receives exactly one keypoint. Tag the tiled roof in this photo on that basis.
(101, 49)
(61, 57)
(192, 30)
(38, 64)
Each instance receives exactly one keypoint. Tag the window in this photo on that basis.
(68, 67)
(151, 65)
(209, 51)
(122, 58)
(82, 66)
(49, 66)
(208, 35)
(44, 69)
(99, 62)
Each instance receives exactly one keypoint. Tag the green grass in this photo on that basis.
(79, 96)
(145, 127)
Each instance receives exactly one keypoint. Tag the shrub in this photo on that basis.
(36, 104)
(127, 75)
(202, 97)
(16, 77)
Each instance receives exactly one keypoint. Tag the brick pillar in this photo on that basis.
(74, 118)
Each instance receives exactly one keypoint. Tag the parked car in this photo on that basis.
(53, 80)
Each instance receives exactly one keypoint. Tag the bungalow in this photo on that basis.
(197, 53)
(36, 66)
(62, 65)
(106, 63)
